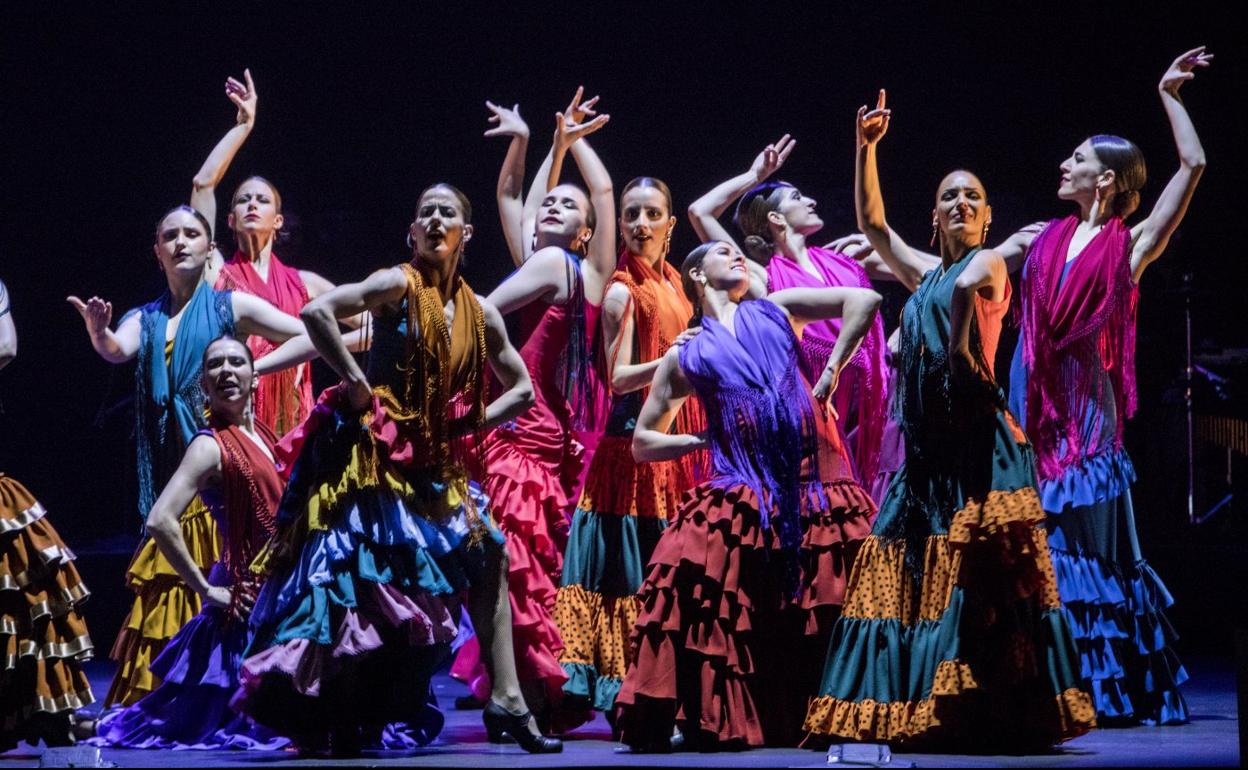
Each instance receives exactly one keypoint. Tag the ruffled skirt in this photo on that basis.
(720, 649)
(42, 635)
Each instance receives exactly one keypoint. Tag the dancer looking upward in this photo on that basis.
(955, 582)
(1072, 383)
(168, 337)
(381, 529)
(731, 620)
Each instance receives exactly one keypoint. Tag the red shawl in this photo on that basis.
(284, 398)
(1071, 326)
(251, 491)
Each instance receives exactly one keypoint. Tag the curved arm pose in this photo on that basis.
(204, 185)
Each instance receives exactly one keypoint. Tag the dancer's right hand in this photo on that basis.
(96, 314)
(507, 122)
(219, 597)
(360, 394)
(772, 158)
(874, 124)
(244, 97)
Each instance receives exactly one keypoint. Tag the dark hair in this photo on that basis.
(277, 196)
(751, 218)
(1127, 162)
(463, 199)
(649, 181)
(251, 359)
(691, 263)
(185, 210)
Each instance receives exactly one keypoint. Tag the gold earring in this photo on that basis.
(935, 231)
(984, 242)
(667, 243)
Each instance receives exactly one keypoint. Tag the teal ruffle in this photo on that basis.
(607, 553)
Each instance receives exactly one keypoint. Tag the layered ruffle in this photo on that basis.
(619, 485)
(162, 605)
(1097, 479)
(720, 648)
(595, 630)
(974, 649)
(43, 638)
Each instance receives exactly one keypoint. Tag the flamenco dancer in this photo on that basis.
(952, 635)
(1073, 383)
(231, 466)
(285, 397)
(729, 621)
(777, 220)
(625, 504)
(380, 529)
(168, 336)
(533, 462)
(42, 633)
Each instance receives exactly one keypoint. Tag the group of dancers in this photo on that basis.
(663, 506)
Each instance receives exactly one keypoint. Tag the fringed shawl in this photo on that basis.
(284, 397)
(759, 411)
(868, 364)
(169, 402)
(574, 370)
(1073, 327)
(251, 491)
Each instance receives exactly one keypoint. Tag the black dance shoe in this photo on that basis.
(499, 723)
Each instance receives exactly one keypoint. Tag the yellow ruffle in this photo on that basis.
(595, 629)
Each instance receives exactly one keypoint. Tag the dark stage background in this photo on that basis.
(108, 110)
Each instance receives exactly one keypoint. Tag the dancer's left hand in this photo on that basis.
(1182, 70)
(827, 383)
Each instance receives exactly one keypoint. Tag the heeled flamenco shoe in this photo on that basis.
(501, 723)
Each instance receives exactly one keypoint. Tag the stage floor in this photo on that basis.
(1212, 739)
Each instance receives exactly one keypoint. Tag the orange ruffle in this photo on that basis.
(618, 485)
(595, 629)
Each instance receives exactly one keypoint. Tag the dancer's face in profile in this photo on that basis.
(229, 377)
(254, 209)
(1082, 174)
(439, 232)
(724, 268)
(563, 219)
(799, 212)
(182, 244)
(645, 221)
(962, 208)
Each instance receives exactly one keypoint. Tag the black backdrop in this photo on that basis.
(107, 113)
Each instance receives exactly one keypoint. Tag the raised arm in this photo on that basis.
(204, 186)
(1013, 250)
(543, 276)
(200, 468)
(8, 332)
(704, 213)
(320, 317)
(869, 201)
(255, 316)
(855, 307)
(114, 347)
(651, 440)
(1149, 238)
(601, 260)
(510, 370)
(510, 190)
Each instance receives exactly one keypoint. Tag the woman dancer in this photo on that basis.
(232, 467)
(255, 218)
(380, 529)
(734, 595)
(777, 220)
(168, 336)
(1073, 383)
(41, 631)
(625, 504)
(533, 462)
(952, 634)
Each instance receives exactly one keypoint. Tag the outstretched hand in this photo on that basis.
(576, 112)
(96, 314)
(1183, 70)
(772, 158)
(506, 122)
(244, 97)
(874, 124)
(568, 131)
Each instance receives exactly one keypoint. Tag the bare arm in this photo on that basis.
(510, 370)
(299, 350)
(651, 440)
(255, 316)
(869, 201)
(542, 277)
(318, 285)
(114, 347)
(601, 260)
(1150, 237)
(1013, 250)
(986, 276)
(617, 326)
(204, 186)
(200, 468)
(510, 190)
(8, 332)
(704, 213)
(855, 307)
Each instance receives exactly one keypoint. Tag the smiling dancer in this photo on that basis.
(952, 635)
(381, 529)
(730, 626)
(42, 633)
(232, 467)
(168, 337)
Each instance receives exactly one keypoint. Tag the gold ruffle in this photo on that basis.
(595, 629)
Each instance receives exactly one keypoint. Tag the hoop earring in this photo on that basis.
(410, 245)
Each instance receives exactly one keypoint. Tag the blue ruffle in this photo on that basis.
(1098, 478)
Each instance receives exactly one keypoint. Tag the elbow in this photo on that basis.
(1196, 163)
(314, 312)
(641, 450)
(695, 210)
(201, 183)
(526, 398)
(871, 302)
